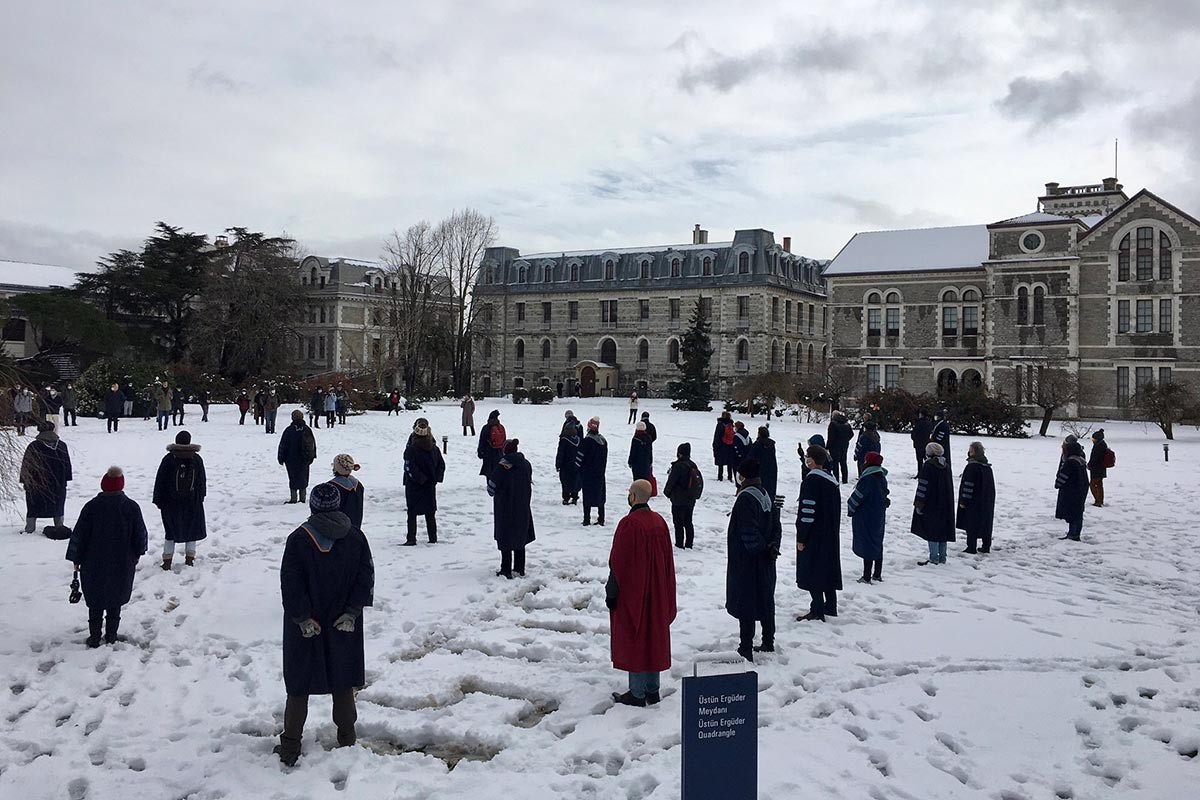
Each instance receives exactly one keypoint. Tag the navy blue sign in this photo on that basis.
(720, 737)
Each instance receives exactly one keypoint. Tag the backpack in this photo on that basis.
(57, 532)
(727, 435)
(497, 437)
(695, 484)
(1110, 458)
(183, 488)
(308, 445)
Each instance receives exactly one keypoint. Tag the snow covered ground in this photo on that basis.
(1045, 670)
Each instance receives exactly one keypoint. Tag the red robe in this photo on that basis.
(643, 565)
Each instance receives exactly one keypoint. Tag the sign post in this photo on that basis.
(720, 736)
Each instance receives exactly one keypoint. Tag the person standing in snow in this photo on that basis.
(205, 401)
(164, 398)
(331, 404)
(763, 451)
(108, 539)
(633, 408)
(838, 438)
(353, 493)
(868, 442)
(326, 579)
(343, 404)
(569, 439)
(641, 455)
(52, 403)
(684, 486)
(129, 394)
(977, 500)
(179, 490)
(933, 505)
(260, 394)
(114, 407)
(940, 434)
(802, 450)
(491, 444)
(70, 404)
(511, 488)
(1072, 486)
(592, 461)
(468, 414)
(270, 410)
(867, 509)
(922, 430)
(45, 473)
(651, 431)
(297, 451)
(316, 407)
(177, 408)
(424, 469)
(818, 556)
(23, 409)
(243, 404)
(1097, 470)
(393, 403)
(752, 544)
(741, 443)
(723, 453)
(640, 595)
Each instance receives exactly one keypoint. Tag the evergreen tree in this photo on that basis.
(693, 391)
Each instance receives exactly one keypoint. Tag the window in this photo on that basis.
(1145, 254)
(1164, 375)
(520, 312)
(673, 351)
(521, 275)
(1122, 316)
(950, 322)
(1164, 257)
(893, 315)
(675, 268)
(775, 311)
(322, 281)
(893, 321)
(1123, 259)
(1022, 306)
(545, 350)
(1039, 305)
(487, 349)
(378, 286)
(706, 308)
(872, 377)
(573, 311)
(547, 274)
(1164, 316)
(608, 270)
(774, 356)
(321, 347)
(487, 277)
(743, 355)
(644, 310)
(1122, 386)
(645, 269)
(572, 350)
(1143, 377)
(706, 267)
(322, 313)
(643, 351)
(520, 350)
(787, 357)
(970, 320)
(787, 315)
(675, 307)
(873, 322)
(312, 348)
(799, 317)
(608, 351)
(1145, 316)
(608, 313)
(547, 313)
(574, 273)
(1017, 372)
(810, 358)
(518, 383)
(743, 263)
(743, 310)
(891, 376)
(812, 318)
(312, 276)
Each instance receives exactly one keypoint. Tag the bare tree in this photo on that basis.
(1167, 403)
(411, 261)
(463, 236)
(1056, 388)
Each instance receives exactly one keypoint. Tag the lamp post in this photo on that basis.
(1166, 451)
(445, 443)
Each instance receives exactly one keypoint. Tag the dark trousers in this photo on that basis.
(69, 417)
(977, 542)
(204, 412)
(632, 416)
(587, 515)
(472, 427)
(681, 517)
(177, 416)
(242, 418)
(97, 620)
(295, 714)
(824, 603)
(314, 419)
(838, 468)
(720, 472)
(430, 527)
(746, 633)
(271, 420)
(113, 424)
(570, 489)
(163, 420)
(920, 451)
(1074, 528)
(330, 418)
(512, 561)
(1097, 487)
(341, 412)
(872, 570)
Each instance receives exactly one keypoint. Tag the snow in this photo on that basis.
(917, 249)
(1037, 217)
(661, 248)
(44, 276)
(1046, 669)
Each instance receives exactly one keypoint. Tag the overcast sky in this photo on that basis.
(578, 124)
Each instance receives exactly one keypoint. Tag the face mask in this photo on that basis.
(740, 480)
(630, 500)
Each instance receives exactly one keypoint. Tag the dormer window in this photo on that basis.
(674, 267)
(608, 270)
(521, 275)
(644, 270)
(743, 263)
(547, 273)
(706, 266)
(574, 273)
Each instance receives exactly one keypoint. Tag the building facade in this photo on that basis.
(1094, 282)
(609, 322)
(21, 277)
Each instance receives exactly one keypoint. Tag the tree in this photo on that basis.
(1056, 388)
(117, 287)
(693, 390)
(1165, 404)
(464, 236)
(60, 319)
(762, 392)
(173, 271)
(411, 262)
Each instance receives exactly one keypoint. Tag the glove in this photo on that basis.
(345, 623)
(309, 628)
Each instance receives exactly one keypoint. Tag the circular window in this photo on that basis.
(1032, 241)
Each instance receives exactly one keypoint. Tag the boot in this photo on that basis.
(304, 495)
(95, 624)
(431, 525)
(166, 565)
(293, 497)
(811, 617)
(111, 624)
(411, 539)
(628, 699)
(746, 653)
(600, 516)
(653, 698)
(587, 515)
(189, 560)
(288, 753)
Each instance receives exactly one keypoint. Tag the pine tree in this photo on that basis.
(693, 391)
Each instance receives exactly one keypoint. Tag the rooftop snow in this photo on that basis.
(917, 249)
(1044, 216)
(43, 276)
(628, 250)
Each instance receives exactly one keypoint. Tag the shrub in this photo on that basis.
(520, 394)
(970, 411)
(541, 395)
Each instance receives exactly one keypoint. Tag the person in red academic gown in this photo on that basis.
(641, 598)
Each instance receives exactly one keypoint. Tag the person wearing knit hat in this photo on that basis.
(468, 414)
(326, 579)
(867, 509)
(816, 440)
(933, 505)
(424, 469)
(108, 539)
(351, 488)
(818, 548)
(492, 437)
(1072, 485)
(1098, 461)
(592, 461)
(511, 489)
(650, 429)
(752, 544)
(179, 489)
(641, 455)
(868, 442)
(741, 442)
(297, 451)
(684, 486)
(45, 473)
(977, 500)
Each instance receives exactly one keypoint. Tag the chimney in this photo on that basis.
(696, 234)
(1111, 185)
(787, 244)
(1051, 188)
(221, 241)
(703, 237)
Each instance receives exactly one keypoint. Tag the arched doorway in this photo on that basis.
(972, 379)
(947, 383)
(587, 382)
(486, 385)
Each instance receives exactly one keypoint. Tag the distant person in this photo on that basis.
(685, 485)
(297, 451)
(52, 403)
(1097, 465)
(641, 455)
(867, 509)
(326, 579)
(818, 551)
(270, 410)
(45, 473)
(129, 394)
(70, 405)
(816, 440)
(1072, 486)
(352, 492)
(491, 444)
(164, 398)
(922, 430)
(763, 451)
(511, 488)
(752, 544)
(933, 505)
(23, 409)
(633, 408)
(640, 595)
(316, 407)
(592, 461)
(343, 404)
(723, 451)
(177, 407)
(114, 407)
(741, 442)
(243, 405)
(468, 414)
(106, 543)
(565, 458)
(977, 500)
(838, 438)
(940, 434)
(393, 403)
(331, 404)
(424, 469)
(179, 490)
(868, 442)
(651, 431)
(205, 402)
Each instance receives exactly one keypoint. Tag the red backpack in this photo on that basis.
(1110, 458)
(727, 435)
(499, 437)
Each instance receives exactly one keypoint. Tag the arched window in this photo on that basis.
(520, 349)
(787, 357)
(574, 273)
(706, 266)
(547, 273)
(1145, 253)
(674, 267)
(1022, 306)
(643, 351)
(810, 358)
(673, 351)
(970, 312)
(608, 352)
(1123, 259)
(743, 263)
(545, 349)
(743, 354)
(874, 315)
(949, 296)
(947, 383)
(873, 299)
(609, 271)
(487, 348)
(1164, 257)
(645, 269)
(312, 276)
(572, 350)
(521, 275)
(774, 356)
(893, 297)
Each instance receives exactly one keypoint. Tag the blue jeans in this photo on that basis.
(643, 683)
(164, 420)
(937, 552)
(271, 420)
(1074, 528)
(189, 548)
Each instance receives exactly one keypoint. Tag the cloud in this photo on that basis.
(202, 76)
(1046, 100)
(878, 214)
(42, 244)
(723, 73)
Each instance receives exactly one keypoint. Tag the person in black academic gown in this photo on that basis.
(592, 461)
(921, 431)
(641, 454)
(1072, 486)
(45, 473)
(353, 493)
(511, 488)
(752, 545)
(838, 438)
(763, 451)
(114, 407)
(940, 434)
(569, 439)
(297, 451)
(933, 505)
(818, 523)
(424, 469)
(977, 500)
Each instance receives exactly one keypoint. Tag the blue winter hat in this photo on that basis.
(324, 497)
(818, 440)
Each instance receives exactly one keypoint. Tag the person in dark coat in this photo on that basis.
(818, 554)
(838, 445)
(243, 404)
(977, 500)
(802, 450)
(70, 405)
(129, 394)
(651, 431)
(177, 407)
(940, 434)
(569, 439)
(316, 407)
(205, 401)
(179, 490)
(468, 414)
(868, 442)
(511, 488)
(933, 505)
(641, 454)
(424, 469)
(867, 509)
(45, 473)
(683, 488)
(270, 410)
(353, 493)
(592, 461)
(723, 453)
(297, 451)
(492, 437)
(326, 579)
(752, 545)
(922, 430)
(114, 407)
(108, 539)
(763, 451)
(1096, 469)
(1072, 486)
(640, 595)
(259, 396)
(741, 443)
(343, 404)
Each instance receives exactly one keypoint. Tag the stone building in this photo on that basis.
(1094, 282)
(609, 321)
(22, 277)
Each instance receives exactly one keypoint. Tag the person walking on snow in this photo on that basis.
(326, 579)
(867, 509)
(1097, 465)
(424, 469)
(45, 473)
(205, 400)
(838, 438)
(114, 407)
(511, 489)
(868, 442)
(684, 487)
(723, 452)
(243, 404)
(179, 490)
(270, 410)
(922, 430)
(640, 595)
(633, 408)
(108, 539)
(569, 439)
(976, 500)
(933, 505)
(818, 556)
(592, 461)
(353, 493)
(753, 540)
(297, 451)
(491, 444)
(468, 414)
(70, 404)
(1072, 486)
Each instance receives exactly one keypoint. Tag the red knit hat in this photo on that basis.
(511, 445)
(113, 481)
(873, 459)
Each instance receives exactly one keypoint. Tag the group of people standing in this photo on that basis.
(27, 408)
